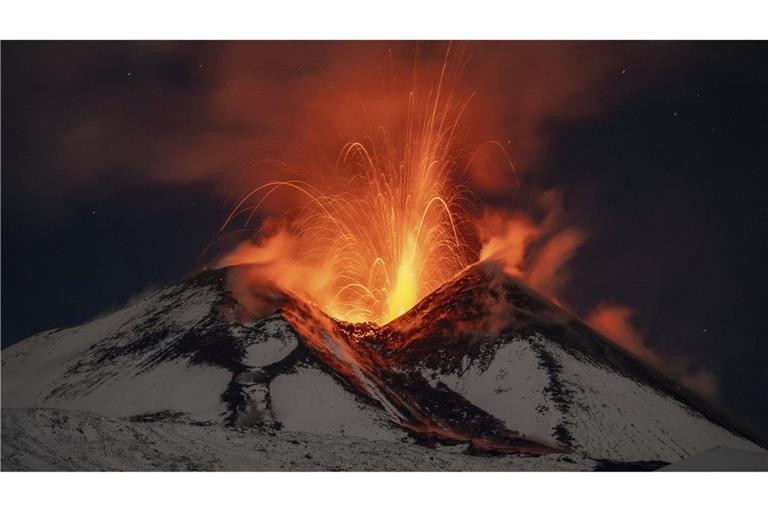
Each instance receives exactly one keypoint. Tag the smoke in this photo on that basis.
(135, 113)
(505, 238)
(540, 253)
(616, 323)
(536, 252)
(548, 273)
(266, 270)
(257, 297)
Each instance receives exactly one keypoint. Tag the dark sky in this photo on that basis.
(117, 159)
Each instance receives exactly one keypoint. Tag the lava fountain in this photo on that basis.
(390, 223)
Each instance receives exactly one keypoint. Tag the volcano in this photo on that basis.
(483, 373)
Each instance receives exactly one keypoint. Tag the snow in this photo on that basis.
(32, 367)
(196, 390)
(55, 369)
(510, 389)
(62, 440)
(614, 417)
(310, 400)
(722, 459)
(608, 415)
(276, 344)
(287, 403)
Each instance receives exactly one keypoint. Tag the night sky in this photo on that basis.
(117, 159)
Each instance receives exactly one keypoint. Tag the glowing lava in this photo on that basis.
(404, 293)
(381, 229)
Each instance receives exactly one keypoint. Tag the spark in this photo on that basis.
(370, 245)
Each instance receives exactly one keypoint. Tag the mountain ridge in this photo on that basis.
(482, 363)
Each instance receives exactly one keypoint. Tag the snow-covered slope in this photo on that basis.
(544, 373)
(483, 364)
(182, 350)
(57, 439)
(135, 360)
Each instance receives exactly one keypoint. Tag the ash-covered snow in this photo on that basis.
(310, 400)
(563, 399)
(722, 459)
(273, 341)
(120, 364)
(177, 351)
(64, 440)
(612, 417)
(510, 388)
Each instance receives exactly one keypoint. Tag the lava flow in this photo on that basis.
(359, 243)
(385, 227)
(362, 357)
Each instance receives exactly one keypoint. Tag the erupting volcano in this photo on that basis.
(482, 366)
(372, 312)
(387, 225)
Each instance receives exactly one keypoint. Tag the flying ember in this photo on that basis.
(382, 229)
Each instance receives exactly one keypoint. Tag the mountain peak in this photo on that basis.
(484, 364)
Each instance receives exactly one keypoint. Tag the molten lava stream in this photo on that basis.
(352, 352)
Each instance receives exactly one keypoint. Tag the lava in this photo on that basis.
(393, 217)
(396, 224)
(361, 356)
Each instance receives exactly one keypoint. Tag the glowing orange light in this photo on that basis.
(384, 228)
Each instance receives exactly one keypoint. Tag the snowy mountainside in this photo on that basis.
(58, 439)
(543, 372)
(483, 365)
(180, 350)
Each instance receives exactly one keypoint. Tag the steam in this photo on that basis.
(538, 253)
(615, 322)
(265, 270)
(548, 274)
(243, 101)
(505, 239)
